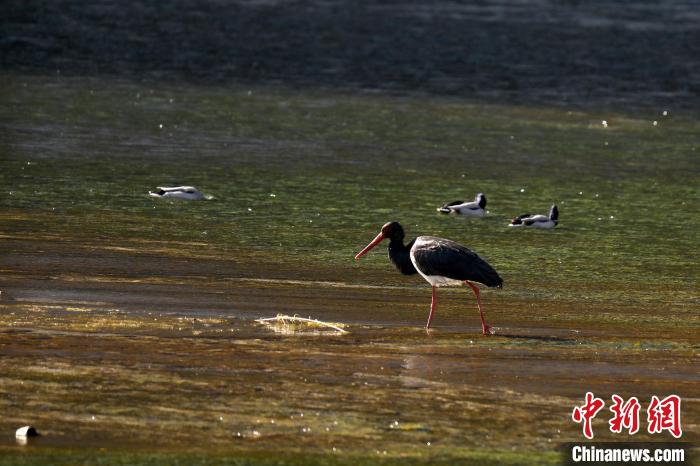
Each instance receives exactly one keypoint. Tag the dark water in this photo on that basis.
(127, 326)
(630, 52)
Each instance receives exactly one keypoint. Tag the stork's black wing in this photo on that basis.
(439, 256)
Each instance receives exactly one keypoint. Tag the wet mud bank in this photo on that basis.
(98, 361)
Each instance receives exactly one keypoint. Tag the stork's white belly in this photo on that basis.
(437, 280)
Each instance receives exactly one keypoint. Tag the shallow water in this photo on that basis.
(127, 321)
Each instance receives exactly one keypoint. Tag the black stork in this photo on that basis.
(440, 261)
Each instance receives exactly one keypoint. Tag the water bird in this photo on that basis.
(475, 208)
(26, 431)
(179, 192)
(440, 261)
(537, 221)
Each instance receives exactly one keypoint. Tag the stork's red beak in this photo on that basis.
(374, 242)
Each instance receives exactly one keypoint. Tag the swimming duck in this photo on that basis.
(537, 221)
(476, 208)
(179, 192)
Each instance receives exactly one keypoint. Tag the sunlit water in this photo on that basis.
(127, 320)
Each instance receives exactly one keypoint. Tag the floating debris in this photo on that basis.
(409, 426)
(290, 325)
(247, 434)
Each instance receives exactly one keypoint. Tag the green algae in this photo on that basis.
(345, 182)
(126, 321)
(116, 457)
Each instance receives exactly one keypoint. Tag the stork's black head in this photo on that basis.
(393, 231)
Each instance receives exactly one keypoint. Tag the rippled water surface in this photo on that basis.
(127, 322)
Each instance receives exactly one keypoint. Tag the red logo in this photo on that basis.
(625, 415)
(587, 412)
(661, 415)
(665, 415)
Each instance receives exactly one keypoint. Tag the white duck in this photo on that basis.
(476, 208)
(179, 192)
(537, 221)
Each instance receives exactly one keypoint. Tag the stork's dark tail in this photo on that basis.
(488, 275)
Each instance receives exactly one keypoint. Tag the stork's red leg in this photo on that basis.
(484, 328)
(433, 305)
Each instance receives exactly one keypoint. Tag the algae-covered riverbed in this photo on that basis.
(127, 326)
